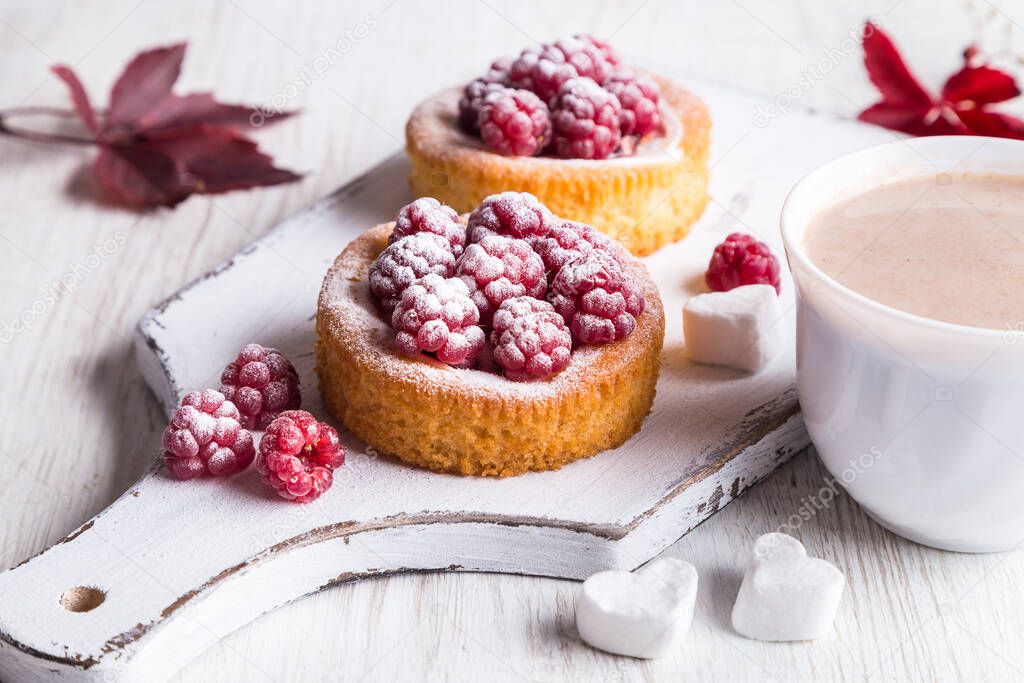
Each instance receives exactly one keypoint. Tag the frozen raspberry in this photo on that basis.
(742, 260)
(498, 268)
(585, 119)
(513, 214)
(541, 71)
(566, 241)
(426, 214)
(499, 68)
(298, 455)
(530, 339)
(607, 51)
(638, 96)
(586, 56)
(205, 436)
(597, 298)
(406, 261)
(473, 99)
(436, 315)
(261, 382)
(515, 123)
(476, 90)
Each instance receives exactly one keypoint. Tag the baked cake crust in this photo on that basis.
(429, 414)
(644, 200)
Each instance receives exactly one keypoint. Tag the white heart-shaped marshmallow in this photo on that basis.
(644, 613)
(786, 595)
(739, 328)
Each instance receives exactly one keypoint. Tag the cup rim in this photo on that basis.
(795, 251)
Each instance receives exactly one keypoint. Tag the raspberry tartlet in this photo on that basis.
(491, 371)
(595, 140)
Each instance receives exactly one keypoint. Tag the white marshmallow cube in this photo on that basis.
(740, 328)
(643, 614)
(786, 595)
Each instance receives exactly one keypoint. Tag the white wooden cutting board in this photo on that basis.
(181, 564)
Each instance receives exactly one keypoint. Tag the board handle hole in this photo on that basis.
(82, 599)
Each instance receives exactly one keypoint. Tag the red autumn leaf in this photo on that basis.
(221, 160)
(141, 100)
(981, 85)
(143, 85)
(139, 175)
(912, 121)
(158, 148)
(79, 98)
(889, 73)
(186, 111)
(991, 123)
(167, 170)
(960, 109)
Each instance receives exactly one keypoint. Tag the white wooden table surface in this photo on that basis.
(79, 425)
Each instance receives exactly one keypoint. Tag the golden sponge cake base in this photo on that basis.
(645, 201)
(470, 422)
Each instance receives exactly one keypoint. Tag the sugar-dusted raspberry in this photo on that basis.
(742, 260)
(585, 120)
(261, 382)
(473, 98)
(498, 268)
(205, 436)
(515, 123)
(298, 456)
(586, 56)
(406, 261)
(541, 71)
(530, 339)
(606, 50)
(427, 214)
(566, 241)
(513, 214)
(499, 67)
(436, 315)
(473, 94)
(638, 94)
(597, 298)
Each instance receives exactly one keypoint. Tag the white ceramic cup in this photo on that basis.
(921, 421)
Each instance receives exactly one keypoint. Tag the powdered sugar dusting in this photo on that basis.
(434, 128)
(530, 339)
(351, 317)
(498, 268)
(585, 120)
(427, 214)
(568, 240)
(598, 300)
(205, 436)
(513, 214)
(436, 315)
(405, 261)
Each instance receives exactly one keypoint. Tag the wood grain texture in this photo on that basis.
(911, 613)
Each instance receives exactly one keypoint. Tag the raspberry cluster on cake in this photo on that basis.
(572, 99)
(596, 140)
(503, 341)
